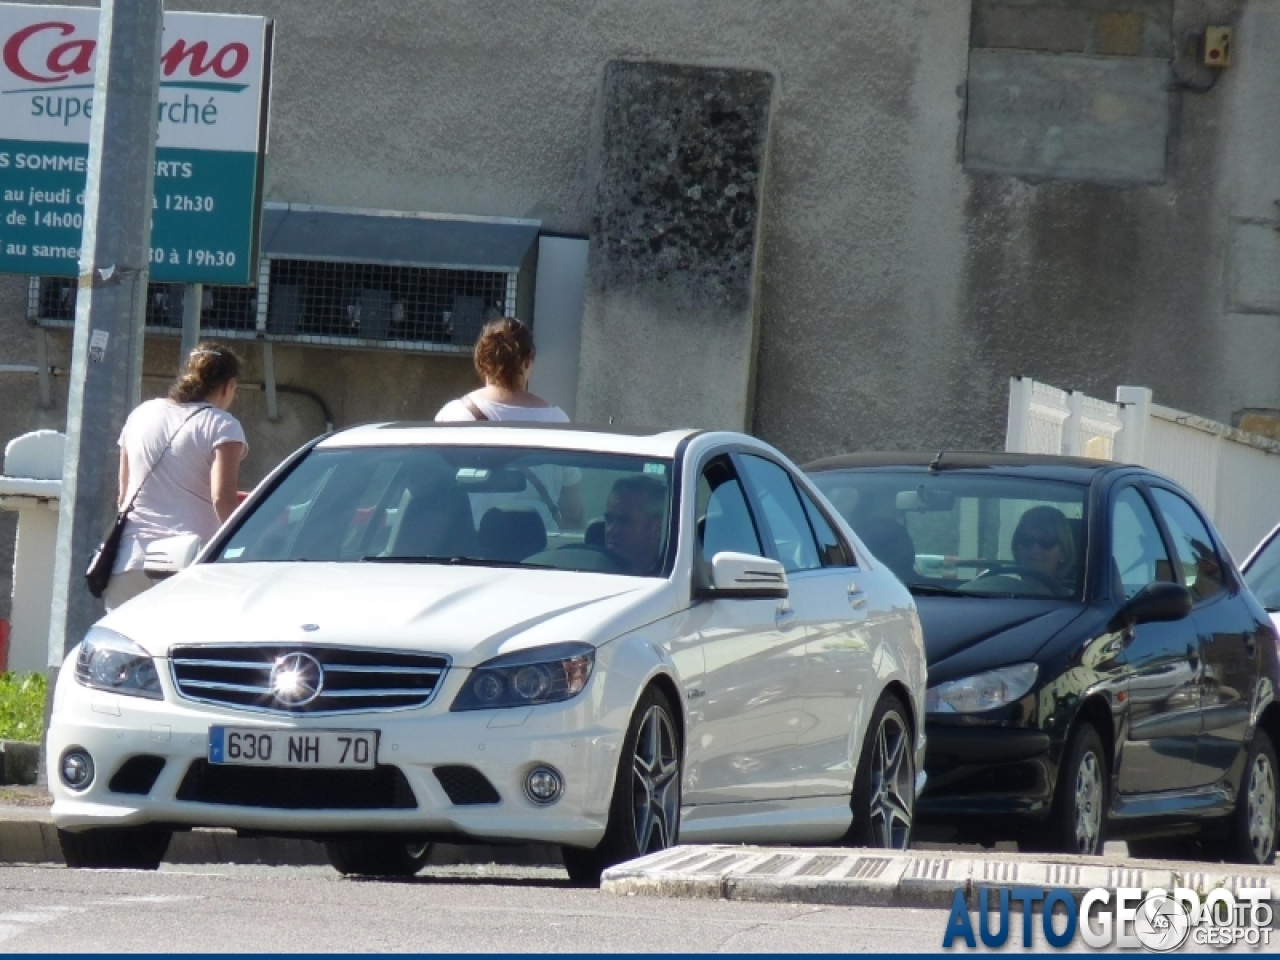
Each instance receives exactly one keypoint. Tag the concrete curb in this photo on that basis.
(27, 835)
(846, 877)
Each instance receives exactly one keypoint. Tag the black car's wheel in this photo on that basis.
(377, 856)
(884, 787)
(1078, 821)
(644, 816)
(118, 848)
(1254, 823)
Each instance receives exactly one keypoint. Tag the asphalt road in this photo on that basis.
(49, 909)
(311, 909)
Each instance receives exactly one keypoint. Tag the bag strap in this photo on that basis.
(167, 444)
(472, 409)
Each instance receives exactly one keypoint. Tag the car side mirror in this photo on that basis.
(167, 556)
(741, 576)
(1155, 603)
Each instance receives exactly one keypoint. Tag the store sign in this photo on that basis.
(211, 134)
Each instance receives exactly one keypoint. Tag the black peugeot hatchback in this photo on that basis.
(1097, 667)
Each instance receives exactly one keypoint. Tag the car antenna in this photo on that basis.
(936, 462)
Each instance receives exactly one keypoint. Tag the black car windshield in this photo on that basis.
(470, 506)
(1263, 575)
(979, 534)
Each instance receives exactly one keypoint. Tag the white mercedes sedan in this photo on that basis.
(493, 633)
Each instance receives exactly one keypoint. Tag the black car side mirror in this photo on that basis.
(1154, 603)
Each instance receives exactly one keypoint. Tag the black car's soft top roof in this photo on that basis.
(1078, 469)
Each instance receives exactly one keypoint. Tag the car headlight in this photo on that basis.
(982, 691)
(108, 661)
(541, 675)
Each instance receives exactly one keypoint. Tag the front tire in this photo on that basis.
(884, 787)
(1079, 818)
(1253, 825)
(644, 816)
(114, 848)
(377, 856)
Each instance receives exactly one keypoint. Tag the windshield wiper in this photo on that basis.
(458, 561)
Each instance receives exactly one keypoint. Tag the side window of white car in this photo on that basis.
(833, 552)
(784, 515)
(723, 518)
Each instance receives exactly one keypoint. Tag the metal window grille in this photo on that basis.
(227, 312)
(380, 305)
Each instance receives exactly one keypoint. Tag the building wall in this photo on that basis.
(893, 291)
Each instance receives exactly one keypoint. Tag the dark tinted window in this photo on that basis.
(1198, 562)
(1138, 556)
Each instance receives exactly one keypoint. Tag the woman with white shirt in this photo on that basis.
(504, 359)
(181, 456)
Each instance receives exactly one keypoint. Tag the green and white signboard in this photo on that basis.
(211, 123)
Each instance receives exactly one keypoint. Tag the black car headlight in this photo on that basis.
(982, 691)
(547, 674)
(108, 661)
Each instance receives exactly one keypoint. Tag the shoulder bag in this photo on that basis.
(98, 575)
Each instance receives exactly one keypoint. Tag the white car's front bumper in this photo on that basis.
(503, 745)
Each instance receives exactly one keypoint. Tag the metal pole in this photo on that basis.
(106, 363)
(192, 295)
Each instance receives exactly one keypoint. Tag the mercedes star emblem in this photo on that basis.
(296, 679)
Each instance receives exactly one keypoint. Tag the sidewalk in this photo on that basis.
(923, 878)
(27, 835)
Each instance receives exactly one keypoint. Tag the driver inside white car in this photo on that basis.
(633, 519)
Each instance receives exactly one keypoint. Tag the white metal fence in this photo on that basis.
(1235, 475)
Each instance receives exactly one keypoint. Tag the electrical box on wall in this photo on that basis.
(1217, 46)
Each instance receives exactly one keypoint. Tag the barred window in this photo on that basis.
(319, 301)
(224, 311)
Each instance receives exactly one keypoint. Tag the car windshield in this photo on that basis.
(1263, 575)
(967, 534)
(464, 505)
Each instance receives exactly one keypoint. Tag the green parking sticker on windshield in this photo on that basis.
(659, 468)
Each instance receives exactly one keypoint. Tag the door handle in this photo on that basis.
(784, 617)
(857, 599)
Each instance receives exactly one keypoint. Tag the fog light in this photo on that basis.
(76, 768)
(544, 785)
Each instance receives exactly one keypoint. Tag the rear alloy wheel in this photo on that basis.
(644, 816)
(114, 848)
(1253, 825)
(1078, 821)
(884, 788)
(377, 856)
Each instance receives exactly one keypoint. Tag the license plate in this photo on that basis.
(313, 749)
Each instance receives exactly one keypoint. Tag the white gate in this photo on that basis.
(1234, 475)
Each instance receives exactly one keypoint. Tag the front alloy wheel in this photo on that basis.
(655, 782)
(645, 814)
(1079, 813)
(885, 786)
